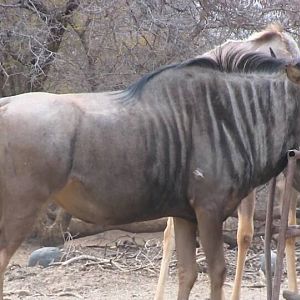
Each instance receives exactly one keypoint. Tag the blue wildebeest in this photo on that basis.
(187, 141)
(283, 46)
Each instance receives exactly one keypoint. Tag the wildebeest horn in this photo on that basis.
(272, 53)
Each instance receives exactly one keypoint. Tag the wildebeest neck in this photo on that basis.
(242, 125)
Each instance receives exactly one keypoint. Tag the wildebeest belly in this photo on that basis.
(76, 200)
(84, 204)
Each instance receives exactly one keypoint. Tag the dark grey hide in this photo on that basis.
(232, 129)
(182, 131)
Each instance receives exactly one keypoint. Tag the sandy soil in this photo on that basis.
(127, 268)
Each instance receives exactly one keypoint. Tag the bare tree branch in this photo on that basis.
(120, 37)
(10, 5)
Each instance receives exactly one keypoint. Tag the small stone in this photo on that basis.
(273, 262)
(44, 256)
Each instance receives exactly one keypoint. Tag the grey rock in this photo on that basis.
(263, 264)
(44, 256)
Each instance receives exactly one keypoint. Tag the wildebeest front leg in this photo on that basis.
(210, 233)
(185, 242)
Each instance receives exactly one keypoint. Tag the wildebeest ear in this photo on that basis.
(293, 72)
(272, 52)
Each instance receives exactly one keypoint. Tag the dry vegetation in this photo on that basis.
(95, 45)
(116, 265)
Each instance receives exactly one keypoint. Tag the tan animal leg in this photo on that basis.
(12, 234)
(290, 243)
(185, 240)
(211, 238)
(17, 216)
(244, 239)
(168, 247)
(4, 259)
(290, 247)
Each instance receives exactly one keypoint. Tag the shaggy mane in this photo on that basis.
(231, 62)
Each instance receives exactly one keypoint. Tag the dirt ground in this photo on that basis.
(120, 266)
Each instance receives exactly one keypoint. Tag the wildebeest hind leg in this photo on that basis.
(211, 238)
(168, 247)
(18, 208)
(185, 242)
(244, 239)
(290, 247)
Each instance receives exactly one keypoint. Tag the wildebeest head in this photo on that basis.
(293, 71)
(282, 44)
